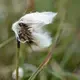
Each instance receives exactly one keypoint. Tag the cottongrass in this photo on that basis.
(29, 29)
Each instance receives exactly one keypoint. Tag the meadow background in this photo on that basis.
(65, 62)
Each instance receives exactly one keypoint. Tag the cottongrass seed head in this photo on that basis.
(21, 73)
(29, 28)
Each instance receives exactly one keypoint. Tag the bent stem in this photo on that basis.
(17, 60)
(41, 66)
(49, 55)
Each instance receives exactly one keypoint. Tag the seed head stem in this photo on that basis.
(17, 60)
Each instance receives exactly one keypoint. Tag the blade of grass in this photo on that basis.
(6, 42)
(56, 70)
(68, 55)
(41, 67)
(60, 73)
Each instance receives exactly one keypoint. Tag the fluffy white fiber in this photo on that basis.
(21, 73)
(36, 21)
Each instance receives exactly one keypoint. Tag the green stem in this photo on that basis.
(17, 60)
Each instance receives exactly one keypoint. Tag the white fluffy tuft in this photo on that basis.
(41, 19)
(21, 73)
(43, 40)
(16, 28)
(36, 21)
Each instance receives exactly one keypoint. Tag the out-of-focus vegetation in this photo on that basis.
(65, 62)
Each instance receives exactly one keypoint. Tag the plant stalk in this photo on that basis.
(17, 60)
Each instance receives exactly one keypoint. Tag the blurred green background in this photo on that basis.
(65, 62)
